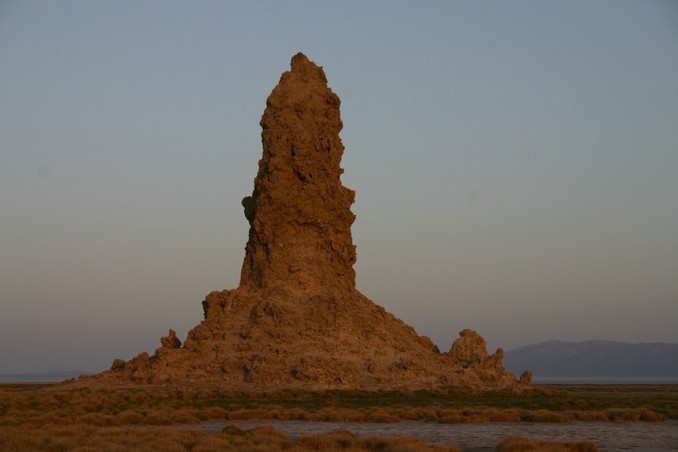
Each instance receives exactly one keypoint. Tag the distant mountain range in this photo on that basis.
(601, 359)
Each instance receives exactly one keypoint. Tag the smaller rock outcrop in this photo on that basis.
(470, 353)
(171, 340)
(470, 349)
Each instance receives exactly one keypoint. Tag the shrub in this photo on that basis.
(504, 416)
(292, 414)
(521, 444)
(453, 417)
(379, 415)
(547, 416)
(184, 416)
(246, 414)
(98, 419)
(212, 413)
(130, 417)
(591, 416)
(267, 435)
(583, 446)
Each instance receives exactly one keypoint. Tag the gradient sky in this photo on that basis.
(515, 163)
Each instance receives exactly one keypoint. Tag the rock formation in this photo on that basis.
(296, 319)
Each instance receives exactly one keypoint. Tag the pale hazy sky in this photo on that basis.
(515, 163)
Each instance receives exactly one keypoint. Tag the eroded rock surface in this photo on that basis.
(296, 319)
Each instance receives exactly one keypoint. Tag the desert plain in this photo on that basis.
(58, 417)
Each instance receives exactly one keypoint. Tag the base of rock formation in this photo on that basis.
(296, 320)
(272, 341)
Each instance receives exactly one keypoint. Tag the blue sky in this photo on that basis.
(515, 163)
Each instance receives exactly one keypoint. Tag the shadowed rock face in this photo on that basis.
(296, 319)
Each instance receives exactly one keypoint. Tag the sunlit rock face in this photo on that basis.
(296, 320)
(299, 212)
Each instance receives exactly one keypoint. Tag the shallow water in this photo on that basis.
(608, 436)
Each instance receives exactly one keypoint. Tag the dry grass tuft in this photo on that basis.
(343, 440)
(549, 416)
(521, 444)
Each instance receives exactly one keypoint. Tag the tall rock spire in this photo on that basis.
(296, 320)
(299, 212)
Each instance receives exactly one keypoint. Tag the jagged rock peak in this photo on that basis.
(296, 320)
(299, 212)
(302, 65)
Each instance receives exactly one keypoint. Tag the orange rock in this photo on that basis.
(296, 320)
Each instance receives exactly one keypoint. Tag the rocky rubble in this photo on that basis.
(296, 320)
